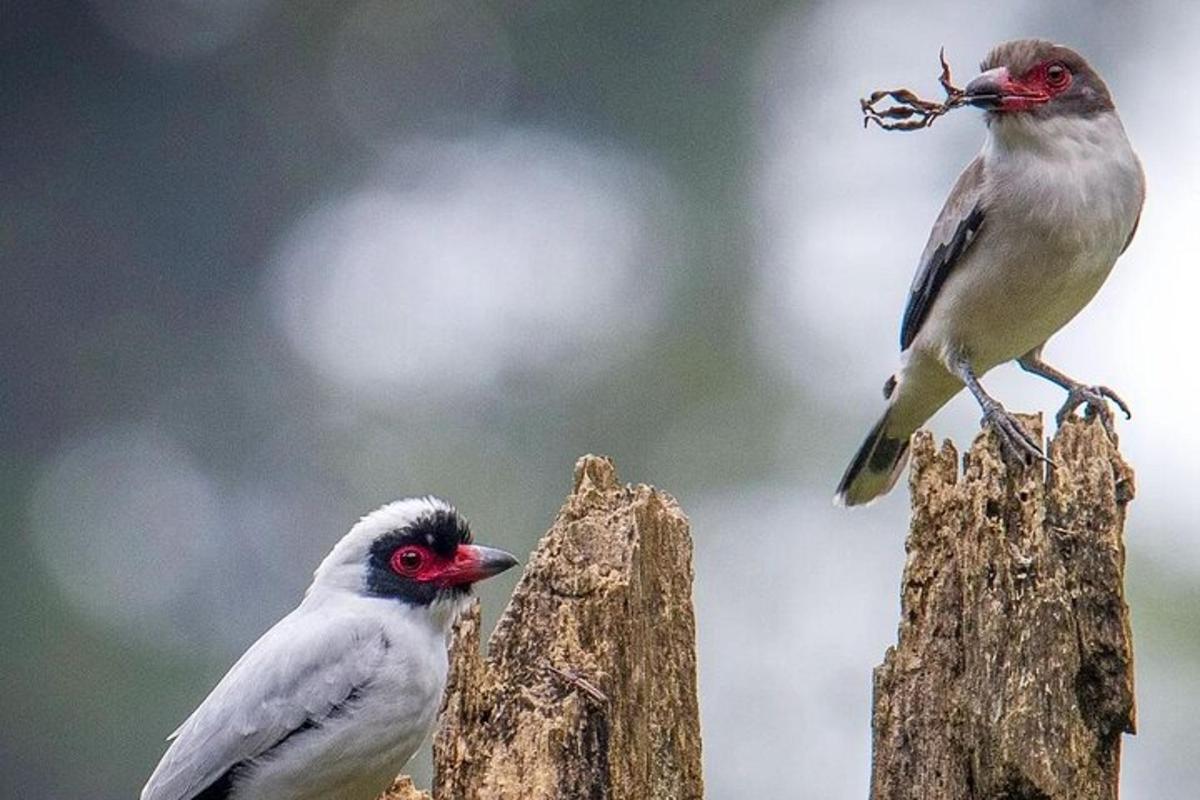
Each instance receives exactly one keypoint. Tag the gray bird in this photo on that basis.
(333, 700)
(1028, 234)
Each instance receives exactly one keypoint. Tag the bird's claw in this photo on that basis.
(1015, 441)
(1094, 398)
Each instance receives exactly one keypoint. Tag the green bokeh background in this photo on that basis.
(145, 194)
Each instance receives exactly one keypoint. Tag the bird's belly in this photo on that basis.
(345, 768)
(996, 312)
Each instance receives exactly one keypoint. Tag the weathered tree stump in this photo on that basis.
(1013, 674)
(588, 688)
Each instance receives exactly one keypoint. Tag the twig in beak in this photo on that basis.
(911, 112)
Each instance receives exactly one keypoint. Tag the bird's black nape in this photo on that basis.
(441, 531)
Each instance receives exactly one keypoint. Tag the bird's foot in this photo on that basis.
(1095, 399)
(1015, 441)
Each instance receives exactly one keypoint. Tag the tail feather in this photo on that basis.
(875, 467)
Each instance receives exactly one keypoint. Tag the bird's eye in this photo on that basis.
(1057, 75)
(407, 560)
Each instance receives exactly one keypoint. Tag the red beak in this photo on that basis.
(474, 563)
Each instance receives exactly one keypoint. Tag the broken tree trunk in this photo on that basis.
(588, 688)
(1013, 674)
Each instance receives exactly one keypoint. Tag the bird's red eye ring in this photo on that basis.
(407, 560)
(1057, 75)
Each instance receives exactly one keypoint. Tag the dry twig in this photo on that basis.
(911, 113)
(579, 682)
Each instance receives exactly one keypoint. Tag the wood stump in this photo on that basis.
(1013, 674)
(588, 687)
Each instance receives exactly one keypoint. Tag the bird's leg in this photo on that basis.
(1014, 439)
(1077, 393)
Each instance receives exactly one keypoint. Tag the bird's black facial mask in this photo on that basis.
(405, 563)
(431, 559)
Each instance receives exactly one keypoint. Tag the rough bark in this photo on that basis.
(1013, 674)
(588, 689)
(403, 789)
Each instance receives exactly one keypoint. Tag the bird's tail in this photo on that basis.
(876, 465)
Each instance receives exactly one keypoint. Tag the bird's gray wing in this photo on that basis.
(951, 237)
(297, 674)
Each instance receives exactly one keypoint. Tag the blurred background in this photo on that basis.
(267, 265)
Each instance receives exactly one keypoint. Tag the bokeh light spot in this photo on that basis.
(121, 519)
(516, 251)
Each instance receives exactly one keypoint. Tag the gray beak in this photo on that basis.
(987, 90)
(474, 562)
(493, 561)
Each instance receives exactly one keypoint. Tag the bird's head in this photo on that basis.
(418, 551)
(1034, 78)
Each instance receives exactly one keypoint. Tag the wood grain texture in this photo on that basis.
(588, 687)
(1013, 674)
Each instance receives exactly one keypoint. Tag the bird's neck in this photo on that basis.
(1065, 137)
(436, 617)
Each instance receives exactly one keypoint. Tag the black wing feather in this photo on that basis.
(222, 787)
(934, 274)
(960, 220)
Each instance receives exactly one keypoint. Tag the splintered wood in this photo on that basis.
(588, 687)
(1013, 674)
(911, 112)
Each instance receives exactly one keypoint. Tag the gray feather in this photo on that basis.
(951, 237)
(297, 671)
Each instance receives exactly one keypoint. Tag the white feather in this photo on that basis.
(356, 680)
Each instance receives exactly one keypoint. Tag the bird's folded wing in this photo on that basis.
(290, 679)
(950, 239)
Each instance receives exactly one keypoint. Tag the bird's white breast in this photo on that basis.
(1062, 197)
(355, 754)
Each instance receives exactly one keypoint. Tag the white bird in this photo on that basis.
(333, 700)
(1027, 236)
